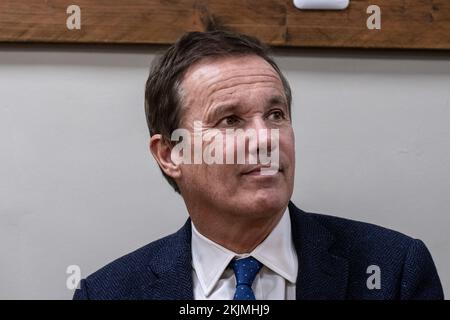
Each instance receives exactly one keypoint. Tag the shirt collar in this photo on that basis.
(276, 252)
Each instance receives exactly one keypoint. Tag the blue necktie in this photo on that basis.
(245, 271)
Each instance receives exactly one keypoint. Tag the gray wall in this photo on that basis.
(78, 186)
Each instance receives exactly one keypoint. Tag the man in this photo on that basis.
(244, 238)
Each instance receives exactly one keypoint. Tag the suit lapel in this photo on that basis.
(173, 271)
(321, 274)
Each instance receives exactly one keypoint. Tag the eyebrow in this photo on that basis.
(232, 108)
(221, 110)
(278, 100)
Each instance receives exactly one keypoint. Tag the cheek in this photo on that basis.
(287, 145)
(217, 175)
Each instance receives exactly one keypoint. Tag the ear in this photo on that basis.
(161, 151)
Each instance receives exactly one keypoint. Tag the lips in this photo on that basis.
(256, 169)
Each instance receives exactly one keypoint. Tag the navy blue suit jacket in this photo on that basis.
(333, 255)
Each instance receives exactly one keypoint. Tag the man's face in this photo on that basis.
(237, 93)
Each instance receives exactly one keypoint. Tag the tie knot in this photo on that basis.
(245, 270)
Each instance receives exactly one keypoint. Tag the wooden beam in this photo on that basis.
(407, 24)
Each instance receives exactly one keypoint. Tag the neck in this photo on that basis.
(236, 233)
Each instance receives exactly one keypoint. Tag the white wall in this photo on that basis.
(77, 185)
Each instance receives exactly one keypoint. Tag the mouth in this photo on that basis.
(261, 170)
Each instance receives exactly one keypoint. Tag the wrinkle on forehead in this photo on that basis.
(211, 75)
(241, 79)
(206, 80)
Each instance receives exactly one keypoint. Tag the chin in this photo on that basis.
(266, 202)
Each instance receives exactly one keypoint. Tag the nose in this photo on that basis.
(262, 145)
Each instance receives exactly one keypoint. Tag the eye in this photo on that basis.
(276, 115)
(229, 120)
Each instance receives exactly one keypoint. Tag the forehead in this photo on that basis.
(215, 74)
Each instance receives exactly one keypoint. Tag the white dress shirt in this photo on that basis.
(275, 281)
